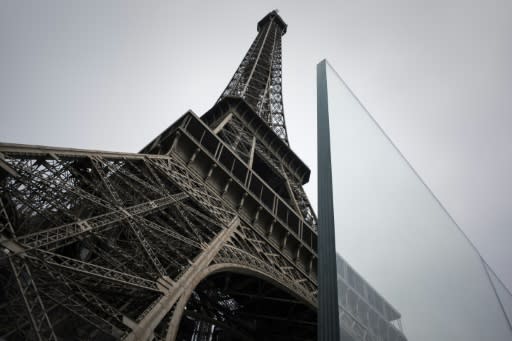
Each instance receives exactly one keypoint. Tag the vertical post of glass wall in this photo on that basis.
(328, 318)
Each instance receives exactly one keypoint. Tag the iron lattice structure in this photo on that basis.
(206, 234)
(258, 79)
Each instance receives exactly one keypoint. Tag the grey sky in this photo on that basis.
(436, 75)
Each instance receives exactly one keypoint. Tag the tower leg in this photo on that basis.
(146, 326)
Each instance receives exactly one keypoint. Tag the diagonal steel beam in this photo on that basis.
(39, 320)
(56, 237)
(55, 260)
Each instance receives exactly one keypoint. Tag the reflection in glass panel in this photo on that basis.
(364, 314)
(391, 228)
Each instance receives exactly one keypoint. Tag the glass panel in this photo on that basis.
(400, 242)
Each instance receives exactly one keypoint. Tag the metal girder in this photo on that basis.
(149, 250)
(173, 234)
(58, 236)
(70, 302)
(98, 164)
(51, 259)
(39, 320)
(196, 188)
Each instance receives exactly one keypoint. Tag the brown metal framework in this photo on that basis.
(206, 234)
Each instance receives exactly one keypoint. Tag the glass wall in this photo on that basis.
(393, 231)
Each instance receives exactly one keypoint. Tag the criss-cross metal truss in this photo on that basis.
(206, 234)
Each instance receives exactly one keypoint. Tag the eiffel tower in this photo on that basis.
(206, 234)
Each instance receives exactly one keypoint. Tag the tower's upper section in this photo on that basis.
(273, 16)
(258, 78)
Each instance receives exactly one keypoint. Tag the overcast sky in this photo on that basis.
(436, 75)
